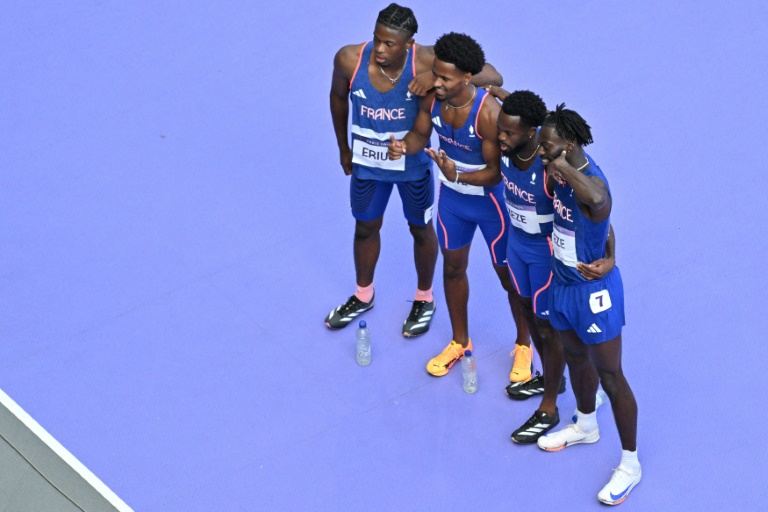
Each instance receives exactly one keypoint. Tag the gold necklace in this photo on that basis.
(467, 103)
(535, 151)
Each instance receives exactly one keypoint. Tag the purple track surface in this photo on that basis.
(174, 225)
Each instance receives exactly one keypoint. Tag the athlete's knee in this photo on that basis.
(366, 230)
(422, 234)
(577, 360)
(454, 270)
(549, 339)
(611, 380)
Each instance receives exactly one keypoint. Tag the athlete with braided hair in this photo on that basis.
(382, 79)
(528, 195)
(588, 315)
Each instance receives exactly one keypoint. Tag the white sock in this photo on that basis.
(629, 461)
(586, 422)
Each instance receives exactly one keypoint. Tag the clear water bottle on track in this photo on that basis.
(363, 335)
(469, 371)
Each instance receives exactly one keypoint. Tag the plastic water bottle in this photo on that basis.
(363, 336)
(469, 370)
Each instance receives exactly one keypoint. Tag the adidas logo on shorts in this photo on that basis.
(594, 329)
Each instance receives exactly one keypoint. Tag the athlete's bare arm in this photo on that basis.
(491, 174)
(600, 267)
(497, 92)
(416, 139)
(423, 81)
(343, 66)
(590, 191)
(487, 128)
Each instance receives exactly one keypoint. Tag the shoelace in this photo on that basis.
(616, 470)
(455, 350)
(350, 305)
(418, 307)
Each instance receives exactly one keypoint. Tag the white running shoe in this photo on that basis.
(619, 486)
(600, 399)
(567, 436)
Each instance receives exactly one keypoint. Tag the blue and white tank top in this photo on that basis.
(528, 202)
(376, 115)
(463, 145)
(575, 238)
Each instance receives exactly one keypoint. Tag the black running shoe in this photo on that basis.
(535, 386)
(536, 426)
(342, 315)
(418, 321)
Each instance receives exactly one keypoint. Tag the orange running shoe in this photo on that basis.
(523, 365)
(439, 365)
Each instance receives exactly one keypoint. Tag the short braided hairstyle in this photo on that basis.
(398, 18)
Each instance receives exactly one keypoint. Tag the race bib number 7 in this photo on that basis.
(600, 301)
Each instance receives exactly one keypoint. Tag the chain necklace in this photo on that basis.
(583, 166)
(535, 152)
(467, 103)
(394, 80)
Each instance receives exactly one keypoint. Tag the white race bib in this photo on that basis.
(564, 244)
(524, 218)
(600, 301)
(373, 153)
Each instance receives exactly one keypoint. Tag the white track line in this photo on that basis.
(63, 453)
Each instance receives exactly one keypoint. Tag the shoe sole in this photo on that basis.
(566, 445)
(619, 502)
(446, 370)
(535, 439)
(412, 335)
(520, 398)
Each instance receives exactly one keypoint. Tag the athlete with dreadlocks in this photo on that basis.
(528, 195)
(471, 193)
(588, 315)
(375, 77)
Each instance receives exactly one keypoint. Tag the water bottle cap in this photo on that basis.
(467, 353)
(362, 324)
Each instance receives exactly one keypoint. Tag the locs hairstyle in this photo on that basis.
(569, 125)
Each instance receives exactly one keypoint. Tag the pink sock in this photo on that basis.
(364, 293)
(424, 295)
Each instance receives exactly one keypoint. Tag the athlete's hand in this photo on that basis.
(395, 148)
(345, 157)
(497, 92)
(421, 83)
(559, 168)
(446, 165)
(596, 269)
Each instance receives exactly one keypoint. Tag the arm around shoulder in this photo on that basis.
(488, 76)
